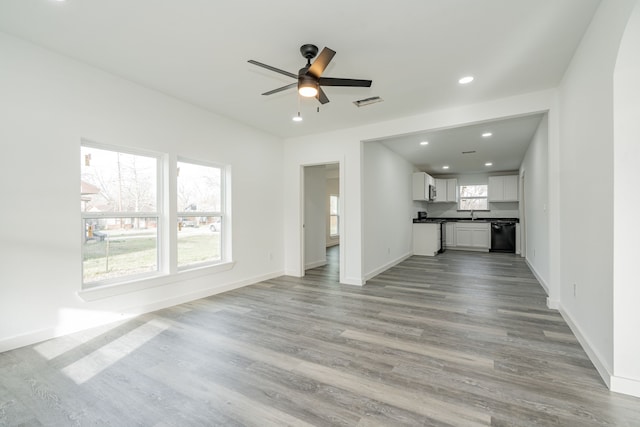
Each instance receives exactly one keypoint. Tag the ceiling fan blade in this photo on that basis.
(280, 89)
(269, 67)
(329, 81)
(321, 96)
(321, 62)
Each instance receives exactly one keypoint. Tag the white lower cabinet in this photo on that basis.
(472, 235)
(450, 234)
(426, 239)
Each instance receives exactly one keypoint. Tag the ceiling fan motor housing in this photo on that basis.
(309, 51)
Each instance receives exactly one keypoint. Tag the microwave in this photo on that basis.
(432, 193)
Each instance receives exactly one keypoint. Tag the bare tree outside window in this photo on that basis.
(119, 207)
(473, 197)
(200, 214)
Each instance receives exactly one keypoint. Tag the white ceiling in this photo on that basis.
(413, 50)
(465, 150)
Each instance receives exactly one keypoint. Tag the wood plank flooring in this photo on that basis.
(460, 339)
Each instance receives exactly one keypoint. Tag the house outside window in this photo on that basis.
(120, 215)
(473, 197)
(334, 219)
(200, 214)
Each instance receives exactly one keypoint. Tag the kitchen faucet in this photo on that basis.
(472, 218)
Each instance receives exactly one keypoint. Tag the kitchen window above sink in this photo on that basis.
(473, 198)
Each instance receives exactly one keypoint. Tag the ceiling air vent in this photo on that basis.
(367, 101)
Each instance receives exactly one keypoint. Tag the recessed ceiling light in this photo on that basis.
(445, 167)
(486, 134)
(465, 80)
(488, 164)
(424, 143)
(297, 118)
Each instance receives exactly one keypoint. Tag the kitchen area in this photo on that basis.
(471, 213)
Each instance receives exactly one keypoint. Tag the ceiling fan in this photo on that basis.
(309, 78)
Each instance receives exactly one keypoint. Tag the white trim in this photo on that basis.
(352, 281)
(625, 385)
(543, 283)
(552, 304)
(599, 362)
(466, 248)
(107, 291)
(315, 264)
(387, 266)
(40, 335)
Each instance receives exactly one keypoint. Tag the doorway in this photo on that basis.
(321, 216)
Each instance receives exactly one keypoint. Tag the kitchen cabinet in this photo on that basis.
(452, 190)
(450, 234)
(503, 188)
(421, 183)
(446, 190)
(473, 235)
(426, 238)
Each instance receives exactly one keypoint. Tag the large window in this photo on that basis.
(334, 219)
(119, 204)
(473, 197)
(126, 234)
(200, 214)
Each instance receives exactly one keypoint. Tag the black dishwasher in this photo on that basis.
(503, 236)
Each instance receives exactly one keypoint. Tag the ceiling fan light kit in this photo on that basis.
(309, 78)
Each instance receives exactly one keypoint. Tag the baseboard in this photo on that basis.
(601, 366)
(40, 335)
(542, 282)
(387, 266)
(625, 386)
(463, 248)
(315, 264)
(354, 281)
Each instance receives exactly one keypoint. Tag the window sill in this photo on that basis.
(115, 289)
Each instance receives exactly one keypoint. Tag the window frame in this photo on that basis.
(222, 214)
(461, 198)
(159, 214)
(167, 271)
(337, 215)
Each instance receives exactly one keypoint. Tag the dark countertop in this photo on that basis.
(441, 220)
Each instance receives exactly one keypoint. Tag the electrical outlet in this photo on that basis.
(270, 256)
(389, 251)
(534, 252)
(575, 289)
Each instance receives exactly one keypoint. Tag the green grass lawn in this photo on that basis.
(132, 256)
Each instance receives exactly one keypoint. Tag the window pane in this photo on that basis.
(333, 205)
(116, 247)
(473, 204)
(199, 188)
(473, 191)
(117, 182)
(199, 240)
(333, 225)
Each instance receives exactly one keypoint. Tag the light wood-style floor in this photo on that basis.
(460, 339)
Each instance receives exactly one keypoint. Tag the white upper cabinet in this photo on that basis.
(503, 188)
(446, 190)
(452, 190)
(421, 182)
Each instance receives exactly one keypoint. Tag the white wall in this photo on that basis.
(315, 216)
(387, 194)
(536, 201)
(48, 104)
(626, 233)
(586, 175)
